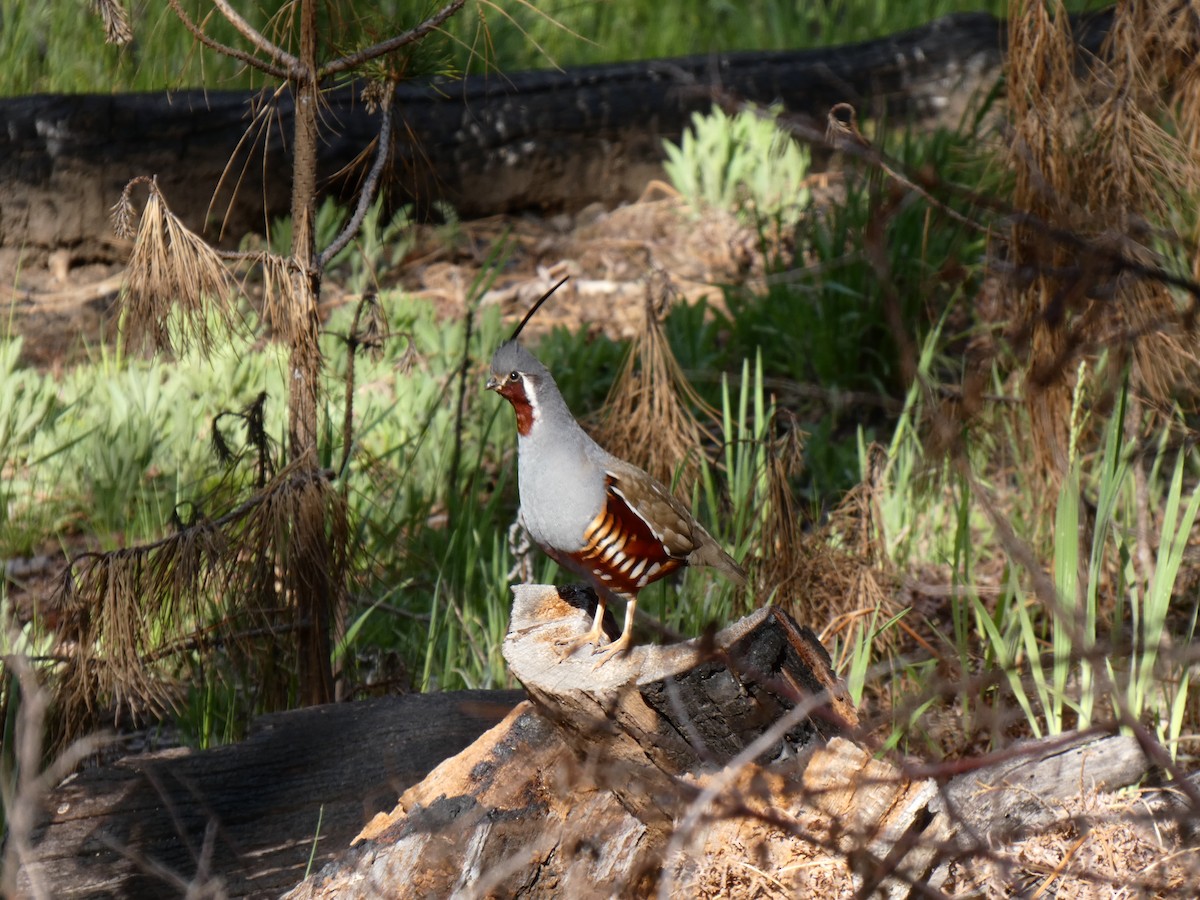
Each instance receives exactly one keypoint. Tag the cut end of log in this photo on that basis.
(545, 618)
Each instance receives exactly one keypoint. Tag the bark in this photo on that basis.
(680, 708)
(248, 815)
(1037, 776)
(315, 589)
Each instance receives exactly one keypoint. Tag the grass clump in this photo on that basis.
(741, 163)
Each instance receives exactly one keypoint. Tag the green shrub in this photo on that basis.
(741, 164)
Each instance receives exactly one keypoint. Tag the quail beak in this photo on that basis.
(493, 384)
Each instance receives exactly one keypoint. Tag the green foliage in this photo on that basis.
(213, 715)
(1152, 690)
(436, 546)
(382, 242)
(824, 323)
(115, 444)
(734, 498)
(741, 164)
(565, 32)
(41, 40)
(27, 404)
(586, 369)
(1092, 652)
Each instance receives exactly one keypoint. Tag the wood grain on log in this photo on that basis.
(1023, 792)
(580, 788)
(247, 816)
(503, 816)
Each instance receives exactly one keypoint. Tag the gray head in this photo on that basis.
(512, 357)
(524, 382)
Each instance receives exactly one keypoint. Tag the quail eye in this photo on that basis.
(514, 376)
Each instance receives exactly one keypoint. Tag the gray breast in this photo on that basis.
(561, 491)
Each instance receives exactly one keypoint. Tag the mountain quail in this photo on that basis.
(596, 515)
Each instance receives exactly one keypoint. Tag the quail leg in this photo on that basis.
(621, 644)
(593, 636)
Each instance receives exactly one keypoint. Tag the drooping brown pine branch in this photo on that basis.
(180, 292)
(172, 271)
(1100, 151)
(648, 415)
(228, 582)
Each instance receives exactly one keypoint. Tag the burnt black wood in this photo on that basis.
(486, 144)
(313, 775)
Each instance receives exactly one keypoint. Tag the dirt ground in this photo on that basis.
(60, 303)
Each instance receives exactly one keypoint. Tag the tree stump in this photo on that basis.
(579, 789)
(683, 708)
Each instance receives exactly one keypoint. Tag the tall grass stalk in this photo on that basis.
(1004, 632)
(1106, 537)
(743, 430)
(1150, 617)
(961, 605)
(1049, 656)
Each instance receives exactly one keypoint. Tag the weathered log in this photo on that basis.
(247, 816)
(689, 769)
(1023, 792)
(683, 707)
(684, 768)
(489, 144)
(580, 788)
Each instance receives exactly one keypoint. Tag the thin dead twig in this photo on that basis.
(354, 60)
(279, 70)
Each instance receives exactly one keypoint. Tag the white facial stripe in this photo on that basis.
(531, 396)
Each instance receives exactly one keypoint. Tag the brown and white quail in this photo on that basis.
(594, 514)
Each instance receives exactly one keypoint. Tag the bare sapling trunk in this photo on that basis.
(279, 557)
(314, 601)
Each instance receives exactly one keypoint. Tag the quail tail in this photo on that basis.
(709, 553)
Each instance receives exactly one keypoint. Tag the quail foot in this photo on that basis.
(594, 514)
